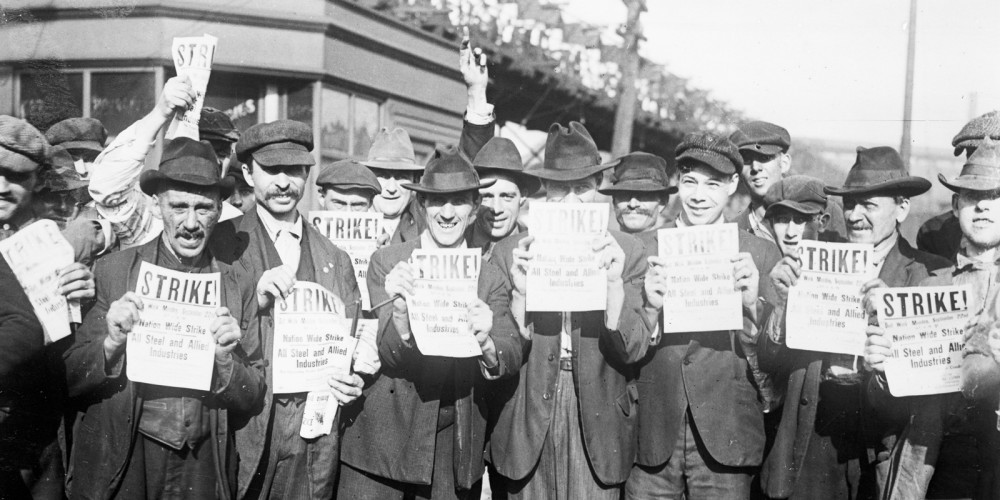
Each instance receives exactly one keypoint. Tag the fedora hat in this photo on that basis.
(392, 150)
(981, 171)
(879, 170)
(187, 161)
(570, 154)
(448, 172)
(639, 172)
(500, 156)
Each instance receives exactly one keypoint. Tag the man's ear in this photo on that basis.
(786, 163)
(824, 220)
(902, 210)
(954, 205)
(246, 175)
(733, 184)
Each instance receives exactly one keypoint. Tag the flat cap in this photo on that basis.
(801, 193)
(60, 174)
(77, 134)
(281, 142)
(762, 138)
(22, 147)
(715, 151)
(214, 125)
(973, 133)
(348, 174)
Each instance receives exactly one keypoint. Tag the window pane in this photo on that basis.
(49, 97)
(300, 104)
(119, 99)
(236, 96)
(365, 125)
(334, 122)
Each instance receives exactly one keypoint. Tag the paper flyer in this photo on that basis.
(825, 311)
(355, 233)
(193, 58)
(172, 344)
(445, 285)
(565, 273)
(927, 329)
(36, 254)
(702, 293)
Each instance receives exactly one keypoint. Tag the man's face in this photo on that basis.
(15, 192)
(760, 172)
(189, 215)
(638, 211)
(393, 199)
(448, 215)
(873, 219)
(243, 198)
(60, 207)
(278, 188)
(347, 200)
(978, 214)
(578, 191)
(500, 207)
(791, 227)
(704, 193)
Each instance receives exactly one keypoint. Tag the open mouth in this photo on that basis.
(758, 182)
(447, 225)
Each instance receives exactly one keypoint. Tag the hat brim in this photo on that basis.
(528, 184)
(802, 208)
(349, 185)
(86, 145)
(150, 179)
(637, 186)
(970, 183)
(392, 165)
(715, 161)
(283, 157)
(429, 190)
(907, 186)
(762, 149)
(566, 175)
(17, 162)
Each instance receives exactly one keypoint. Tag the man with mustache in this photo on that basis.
(420, 429)
(832, 427)
(640, 189)
(949, 447)
(138, 440)
(764, 149)
(276, 247)
(701, 423)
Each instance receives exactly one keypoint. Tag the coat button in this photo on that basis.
(804, 401)
(687, 361)
(552, 357)
(545, 396)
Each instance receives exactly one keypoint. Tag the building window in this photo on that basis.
(238, 96)
(120, 99)
(348, 123)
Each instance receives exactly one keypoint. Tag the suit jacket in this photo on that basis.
(253, 252)
(391, 430)
(602, 373)
(711, 373)
(107, 428)
(941, 235)
(904, 266)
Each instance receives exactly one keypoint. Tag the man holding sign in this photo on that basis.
(137, 439)
(701, 424)
(949, 435)
(421, 427)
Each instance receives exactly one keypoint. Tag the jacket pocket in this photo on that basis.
(628, 400)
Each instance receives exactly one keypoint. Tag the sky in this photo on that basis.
(828, 69)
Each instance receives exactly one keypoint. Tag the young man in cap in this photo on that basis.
(764, 149)
(242, 198)
(421, 429)
(348, 186)
(576, 386)
(500, 211)
(277, 247)
(948, 449)
(136, 440)
(701, 423)
(56, 198)
(640, 190)
(83, 138)
(114, 177)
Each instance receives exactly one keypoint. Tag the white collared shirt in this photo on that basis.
(287, 237)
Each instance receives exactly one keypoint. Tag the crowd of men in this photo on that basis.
(560, 405)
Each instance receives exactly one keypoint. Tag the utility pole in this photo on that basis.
(628, 96)
(905, 143)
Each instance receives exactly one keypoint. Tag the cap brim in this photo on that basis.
(87, 145)
(802, 208)
(970, 183)
(17, 162)
(283, 157)
(349, 185)
(637, 186)
(151, 178)
(714, 161)
(528, 184)
(762, 149)
(392, 165)
(909, 186)
(422, 189)
(566, 175)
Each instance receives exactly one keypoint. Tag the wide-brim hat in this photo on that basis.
(187, 161)
(499, 156)
(392, 150)
(570, 155)
(877, 170)
(981, 171)
(639, 172)
(448, 172)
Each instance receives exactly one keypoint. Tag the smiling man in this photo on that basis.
(421, 428)
(146, 441)
(764, 149)
(502, 202)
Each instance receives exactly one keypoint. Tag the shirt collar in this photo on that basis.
(882, 249)
(274, 226)
(962, 260)
(427, 242)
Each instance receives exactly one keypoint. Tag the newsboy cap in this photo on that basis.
(879, 170)
(214, 125)
(60, 175)
(448, 172)
(981, 171)
(570, 154)
(348, 174)
(279, 143)
(762, 138)
(187, 161)
(22, 147)
(973, 133)
(801, 193)
(715, 151)
(499, 156)
(639, 172)
(75, 134)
